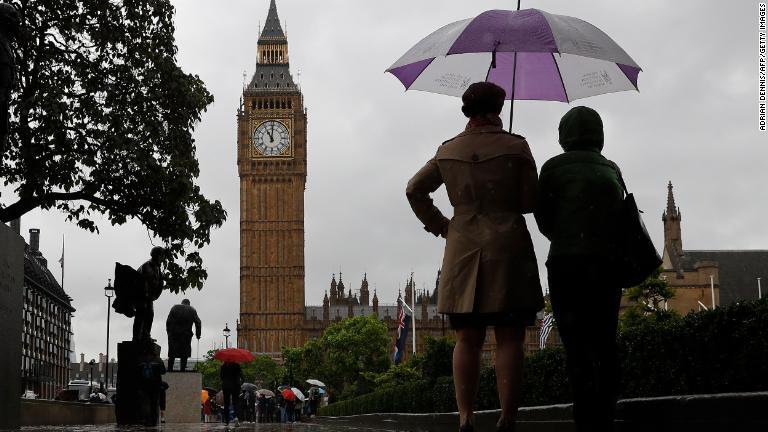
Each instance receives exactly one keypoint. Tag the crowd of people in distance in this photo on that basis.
(253, 406)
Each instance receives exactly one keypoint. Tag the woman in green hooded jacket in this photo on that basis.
(579, 203)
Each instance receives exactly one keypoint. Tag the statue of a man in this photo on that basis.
(9, 29)
(148, 292)
(179, 327)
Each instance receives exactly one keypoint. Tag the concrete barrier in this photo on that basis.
(41, 412)
(745, 411)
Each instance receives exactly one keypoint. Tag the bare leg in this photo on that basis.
(509, 370)
(466, 370)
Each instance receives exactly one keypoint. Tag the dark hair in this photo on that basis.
(483, 98)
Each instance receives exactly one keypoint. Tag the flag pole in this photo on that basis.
(61, 261)
(712, 287)
(413, 311)
(514, 75)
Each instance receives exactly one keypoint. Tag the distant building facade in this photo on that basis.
(47, 334)
(97, 373)
(702, 278)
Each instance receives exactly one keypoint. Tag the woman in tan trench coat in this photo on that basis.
(489, 273)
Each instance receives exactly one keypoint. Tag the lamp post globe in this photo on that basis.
(90, 377)
(226, 333)
(109, 292)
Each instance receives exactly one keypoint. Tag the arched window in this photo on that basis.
(272, 104)
(253, 104)
(278, 85)
(289, 104)
(259, 103)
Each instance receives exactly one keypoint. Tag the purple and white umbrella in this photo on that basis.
(532, 54)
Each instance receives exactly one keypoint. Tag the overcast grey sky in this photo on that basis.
(694, 122)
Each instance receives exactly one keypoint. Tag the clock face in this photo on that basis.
(271, 138)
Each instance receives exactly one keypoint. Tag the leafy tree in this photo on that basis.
(353, 346)
(210, 369)
(303, 363)
(647, 298)
(263, 371)
(101, 124)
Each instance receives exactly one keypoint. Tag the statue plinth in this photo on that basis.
(139, 378)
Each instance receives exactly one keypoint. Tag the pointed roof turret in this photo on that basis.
(272, 31)
(672, 210)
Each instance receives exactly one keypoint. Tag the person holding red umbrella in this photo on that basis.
(231, 380)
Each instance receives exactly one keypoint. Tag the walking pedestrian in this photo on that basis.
(490, 275)
(231, 380)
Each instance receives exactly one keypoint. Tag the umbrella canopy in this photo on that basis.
(267, 393)
(234, 355)
(530, 53)
(248, 387)
(211, 391)
(299, 394)
(288, 394)
(315, 382)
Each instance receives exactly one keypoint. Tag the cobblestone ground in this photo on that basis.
(211, 427)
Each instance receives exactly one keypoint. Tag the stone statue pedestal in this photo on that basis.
(11, 312)
(138, 383)
(182, 399)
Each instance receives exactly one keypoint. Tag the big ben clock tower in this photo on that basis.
(272, 164)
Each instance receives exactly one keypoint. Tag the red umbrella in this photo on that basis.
(234, 355)
(288, 394)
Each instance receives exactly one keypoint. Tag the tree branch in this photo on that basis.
(24, 205)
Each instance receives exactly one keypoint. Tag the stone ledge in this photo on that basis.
(41, 412)
(700, 412)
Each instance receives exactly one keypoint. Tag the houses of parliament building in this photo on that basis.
(272, 165)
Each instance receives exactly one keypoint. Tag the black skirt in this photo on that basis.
(496, 319)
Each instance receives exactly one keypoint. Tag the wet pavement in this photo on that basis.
(214, 427)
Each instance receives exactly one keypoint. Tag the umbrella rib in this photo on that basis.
(562, 83)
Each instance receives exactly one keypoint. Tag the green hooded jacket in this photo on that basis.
(580, 196)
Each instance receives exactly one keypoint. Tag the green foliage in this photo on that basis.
(545, 378)
(437, 359)
(718, 351)
(263, 371)
(647, 298)
(354, 346)
(101, 124)
(209, 369)
(395, 376)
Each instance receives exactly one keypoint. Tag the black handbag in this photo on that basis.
(638, 257)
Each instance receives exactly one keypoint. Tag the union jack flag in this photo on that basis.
(403, 319)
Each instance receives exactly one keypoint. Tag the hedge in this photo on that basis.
(719, 351)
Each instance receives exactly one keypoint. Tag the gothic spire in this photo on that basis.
(272, 31)
(672, 210)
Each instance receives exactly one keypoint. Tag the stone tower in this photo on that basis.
(364, 292)
(272, 165)
(673, 238)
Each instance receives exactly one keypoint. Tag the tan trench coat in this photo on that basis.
(489, 264)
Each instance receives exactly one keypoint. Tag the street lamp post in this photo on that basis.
(109, 291)
(90, 376)
(226, 331)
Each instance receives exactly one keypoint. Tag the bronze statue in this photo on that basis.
(9, 29)
(179, 327)
(147, 293)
